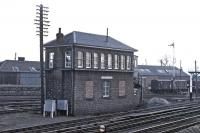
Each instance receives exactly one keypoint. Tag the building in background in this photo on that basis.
(151, 72)
(20, 72)
(93, 72)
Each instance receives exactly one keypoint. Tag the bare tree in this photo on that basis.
(164, 61)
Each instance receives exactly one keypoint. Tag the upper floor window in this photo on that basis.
(116, 62)
(106, 88)
(95, 60)
(88, 60)
(68, 60)
(51, 58)
(80, 59)
(109, 61)
(128, 62)
(122, 62)
(102, 61)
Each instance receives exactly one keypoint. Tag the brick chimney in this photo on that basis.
(59, 36)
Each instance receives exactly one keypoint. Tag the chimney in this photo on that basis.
(107, 35)
(59, 36)
(15, 56)
(21, 58)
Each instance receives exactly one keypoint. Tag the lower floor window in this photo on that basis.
(106, 88)
(89, 89)
(122, 88)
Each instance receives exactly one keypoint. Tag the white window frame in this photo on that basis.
(88, 60)
(109, 61)
(68, 59)
(102, 61)
(80, 59)
(51, 59)
(95, 60)
(122, 62)
(128, 62)
(116, 61)
(106, 88)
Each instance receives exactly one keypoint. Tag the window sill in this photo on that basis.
(106, 97)
(68, 66)
(80, 66)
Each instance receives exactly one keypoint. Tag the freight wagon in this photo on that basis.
(169, 86)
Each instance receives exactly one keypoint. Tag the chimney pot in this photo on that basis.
(59, 30)
(59, 36)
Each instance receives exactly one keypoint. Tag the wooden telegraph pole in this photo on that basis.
(42, 25)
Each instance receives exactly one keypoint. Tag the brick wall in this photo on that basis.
(98, 104)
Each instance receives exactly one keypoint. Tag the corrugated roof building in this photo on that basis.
(152, 72)
(20, 72)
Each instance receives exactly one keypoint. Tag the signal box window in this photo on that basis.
(51, 59)
(68, 60)
(80, 59)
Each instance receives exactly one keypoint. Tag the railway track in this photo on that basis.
(16, 107)
(166, 122)
(118, 122)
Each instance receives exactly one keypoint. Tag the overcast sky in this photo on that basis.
(147, 25)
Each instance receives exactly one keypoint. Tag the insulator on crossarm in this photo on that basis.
(46, 21)
(46, 25)
(45, 11)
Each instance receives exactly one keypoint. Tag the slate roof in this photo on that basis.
(158, 70)
(91, 40)
(19, 66)
(193, 129)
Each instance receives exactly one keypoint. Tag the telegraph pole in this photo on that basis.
(41, 21)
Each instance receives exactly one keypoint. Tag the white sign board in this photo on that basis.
(106, 77)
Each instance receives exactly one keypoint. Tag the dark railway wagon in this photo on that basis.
(169, 86)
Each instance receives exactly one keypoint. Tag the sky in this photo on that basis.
(146, 25)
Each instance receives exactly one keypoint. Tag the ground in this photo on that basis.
(19, 120)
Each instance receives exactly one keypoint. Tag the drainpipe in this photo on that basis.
(190, 91)
(72, 77)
